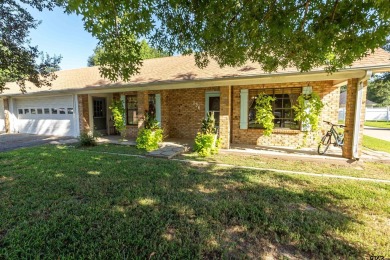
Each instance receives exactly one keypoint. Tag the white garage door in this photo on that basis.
(2, 116)
(46, 116)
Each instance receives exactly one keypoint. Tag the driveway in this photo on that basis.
(380, 133)
(13, 141)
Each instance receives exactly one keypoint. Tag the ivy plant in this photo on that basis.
(264, 115)
(308, 110)
(118, 110)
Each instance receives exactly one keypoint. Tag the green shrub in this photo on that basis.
(149, 139)
(206, 144)
(118, 111)
(206, 141)
(87, 139)
(264, 114)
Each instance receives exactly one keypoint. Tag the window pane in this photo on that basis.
(70, 110)
(39, 111)
(20, 111)
(27, 111)
(152, 104)
(214, 103)
(62, 111)
(46, 110)
(282, 106)
(131, 102)
(54, 111)
(33, 111)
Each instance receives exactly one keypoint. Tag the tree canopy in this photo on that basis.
(276, 34)
(379, 88)
(146, 52)
(18, 60)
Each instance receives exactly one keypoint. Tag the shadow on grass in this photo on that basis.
(77, 204)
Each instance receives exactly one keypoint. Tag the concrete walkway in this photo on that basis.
(10, 142)
(168, 149)
(380, 133)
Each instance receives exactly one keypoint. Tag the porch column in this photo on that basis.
(224, 119)
(83, 110)
(7, 116)
(142, 101)
(351, 101)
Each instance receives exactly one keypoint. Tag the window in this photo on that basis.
(46, 111)
(285, 98)
(152, 104)
(54, 111)
(33, 111)
(27, 111)
(131, 109)
(62, 111)
(20, 111)
(70, 110)
(39, 111)
(99, 107)
(213, 105)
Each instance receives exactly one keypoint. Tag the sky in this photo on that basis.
(62, 34)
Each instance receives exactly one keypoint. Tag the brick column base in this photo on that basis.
(224, 119)
(350, 118)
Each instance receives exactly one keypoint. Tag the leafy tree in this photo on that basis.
(147, 52)
(18, 60)
(379, 88)
(276, 34)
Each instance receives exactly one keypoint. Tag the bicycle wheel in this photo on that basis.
(324, 144)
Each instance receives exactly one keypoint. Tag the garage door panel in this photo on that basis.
(46, 116)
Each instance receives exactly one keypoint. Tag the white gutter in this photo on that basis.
(358, 110)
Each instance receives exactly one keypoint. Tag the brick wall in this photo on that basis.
(182, 111)
(285, 137)
(83, 113)
(186, 111)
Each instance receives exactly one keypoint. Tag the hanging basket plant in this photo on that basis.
(118, 110)
(264, 115)
(308, 110)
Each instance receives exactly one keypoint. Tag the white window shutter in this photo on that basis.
(305, 126)
(244, 109)
(123, 99)
(158, 109)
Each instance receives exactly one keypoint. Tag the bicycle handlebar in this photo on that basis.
(330, 123)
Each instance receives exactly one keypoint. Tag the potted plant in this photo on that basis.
(118, 110)
(151, 135)
(264, 115)
(206, 141)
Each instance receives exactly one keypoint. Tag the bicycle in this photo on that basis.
(326, 140)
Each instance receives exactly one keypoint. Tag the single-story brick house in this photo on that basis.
(181, 94)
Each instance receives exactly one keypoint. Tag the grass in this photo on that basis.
(379, 124)
(376, 144)
(60, 202)
(367, 170)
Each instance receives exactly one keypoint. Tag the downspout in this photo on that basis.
(358, 110)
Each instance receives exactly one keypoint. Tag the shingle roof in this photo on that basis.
(174, 69)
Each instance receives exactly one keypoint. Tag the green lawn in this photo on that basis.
(379, 124)
(60, 202)
(376, 144)
(367, 170)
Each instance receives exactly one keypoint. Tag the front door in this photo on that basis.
(100, 115)
(213, 105)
